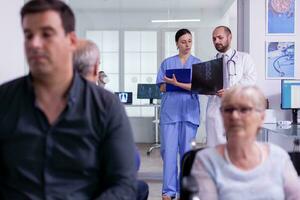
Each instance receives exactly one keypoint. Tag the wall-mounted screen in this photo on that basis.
(125, 97)
(148, 91)
(290, 94)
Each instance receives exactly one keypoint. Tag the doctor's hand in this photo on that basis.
(172, 80)
(220, 93)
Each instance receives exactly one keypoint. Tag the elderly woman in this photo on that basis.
(243, 168)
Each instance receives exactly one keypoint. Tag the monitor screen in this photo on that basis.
(125, 97)
(290, 94)
(148, 91)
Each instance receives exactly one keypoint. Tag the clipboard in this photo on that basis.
(182, 75)
(207, 77)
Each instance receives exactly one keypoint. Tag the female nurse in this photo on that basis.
(179, 116)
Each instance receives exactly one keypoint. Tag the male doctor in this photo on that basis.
(238, 68)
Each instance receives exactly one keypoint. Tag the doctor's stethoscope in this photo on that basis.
(229, 63)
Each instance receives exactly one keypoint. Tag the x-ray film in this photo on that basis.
(207, 77)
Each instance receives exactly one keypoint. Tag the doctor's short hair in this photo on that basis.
(251, 92)
(65, 12)
(102, 74)
(85, 57)
(181, 32)
(226, 29)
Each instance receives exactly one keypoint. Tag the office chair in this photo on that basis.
(188, 184)
(295, 155)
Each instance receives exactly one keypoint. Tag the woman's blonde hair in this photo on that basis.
(253, 93)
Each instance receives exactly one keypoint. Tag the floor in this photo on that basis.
(151, 170)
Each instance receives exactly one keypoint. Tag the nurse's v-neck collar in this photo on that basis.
(183, 65)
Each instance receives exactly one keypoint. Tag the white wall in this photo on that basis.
(11, 40)
(210, 18)
(125, 20)
(257, 38)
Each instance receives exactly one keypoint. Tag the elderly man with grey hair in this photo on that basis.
(86, 59)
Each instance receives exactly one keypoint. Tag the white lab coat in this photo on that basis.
(245, 75)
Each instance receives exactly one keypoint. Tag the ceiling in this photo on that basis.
(148, 5)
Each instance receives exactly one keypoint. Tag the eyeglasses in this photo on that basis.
(243, 111)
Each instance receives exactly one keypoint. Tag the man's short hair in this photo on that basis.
(85, 57)
(102, 73)
(226, 29)
(65, 12)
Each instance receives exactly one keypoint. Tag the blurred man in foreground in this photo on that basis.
(61, 136)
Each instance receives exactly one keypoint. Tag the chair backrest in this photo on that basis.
(187, 161)
(188, 186)
(295, 157)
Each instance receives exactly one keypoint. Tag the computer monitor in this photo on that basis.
(290, 96)
(148, 91)
(125, 97)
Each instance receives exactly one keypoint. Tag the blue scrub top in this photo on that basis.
(178, 106)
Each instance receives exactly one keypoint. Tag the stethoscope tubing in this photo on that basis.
(233, 62)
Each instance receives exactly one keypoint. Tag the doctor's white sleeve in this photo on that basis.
(249, 71)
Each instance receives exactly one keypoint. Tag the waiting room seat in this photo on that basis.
(188, 184)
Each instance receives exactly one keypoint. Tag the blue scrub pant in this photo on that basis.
(174, 138)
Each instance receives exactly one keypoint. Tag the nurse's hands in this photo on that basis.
(172, 80)
(220, 93)
(162, 87)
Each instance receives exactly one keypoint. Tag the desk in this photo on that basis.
(292, 132)
(156, 143)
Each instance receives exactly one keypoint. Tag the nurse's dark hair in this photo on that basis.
(226, 29)
(65, 12)
(180, 33)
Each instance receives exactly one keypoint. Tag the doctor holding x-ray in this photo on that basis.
(238, 68)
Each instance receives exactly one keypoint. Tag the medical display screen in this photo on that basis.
(290, 94)
(125, 97)
(148, 91)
